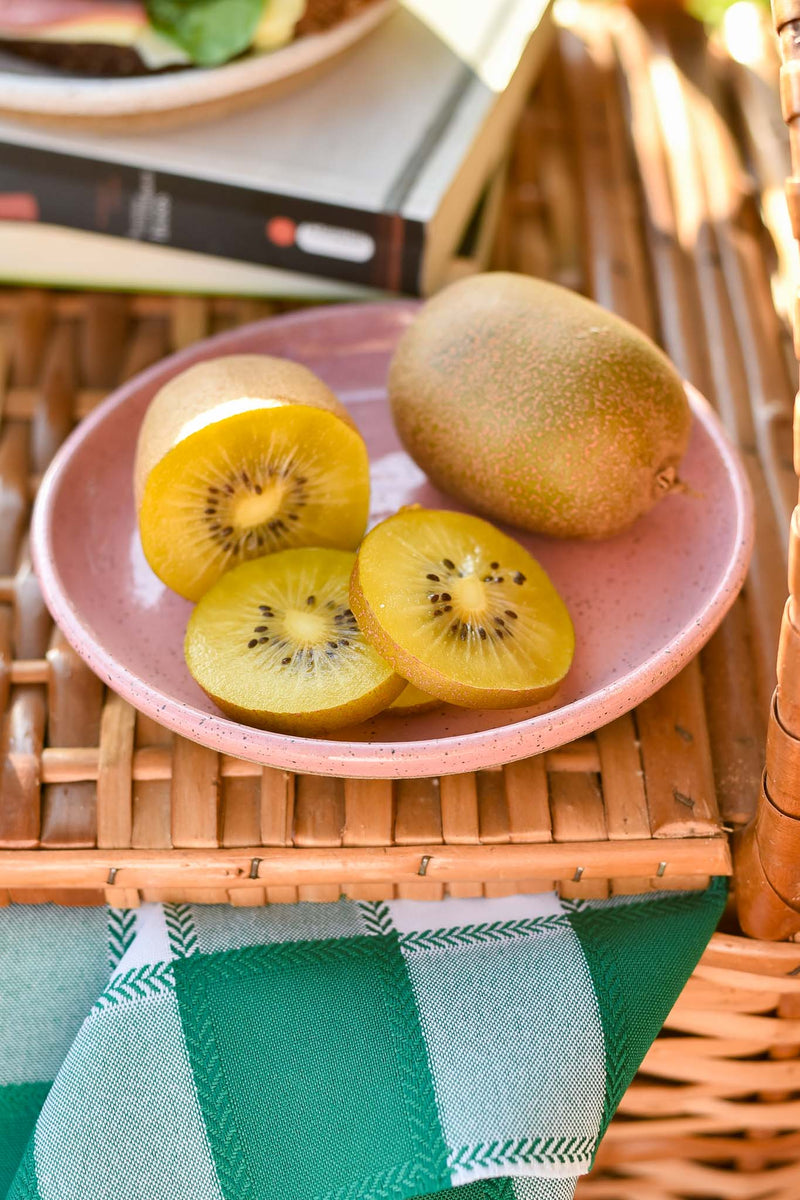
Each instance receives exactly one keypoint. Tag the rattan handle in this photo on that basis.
(768, 852)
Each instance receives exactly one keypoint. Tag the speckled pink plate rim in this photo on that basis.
(406, 759)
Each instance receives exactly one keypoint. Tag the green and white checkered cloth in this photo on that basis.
(346, 1051)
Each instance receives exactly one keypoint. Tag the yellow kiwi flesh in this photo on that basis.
(412, 700)
(243, 456)
(275, 644)
(461, 610)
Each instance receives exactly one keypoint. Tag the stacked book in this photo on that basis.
(384, 172)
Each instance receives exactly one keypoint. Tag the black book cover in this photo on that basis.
(373, 249)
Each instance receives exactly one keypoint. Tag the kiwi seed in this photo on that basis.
(466, 626)
(479, 625)
(307, 655)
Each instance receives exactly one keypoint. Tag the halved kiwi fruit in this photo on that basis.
(243, 456)
(412, 700)
(274, 643)
(461, 610)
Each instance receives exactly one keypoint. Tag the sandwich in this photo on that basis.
(115, 38)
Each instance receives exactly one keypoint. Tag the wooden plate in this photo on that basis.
(36, 93)
(643, 603)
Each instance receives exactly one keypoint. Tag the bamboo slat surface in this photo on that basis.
(99, 799)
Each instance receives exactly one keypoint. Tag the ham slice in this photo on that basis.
(32, 18)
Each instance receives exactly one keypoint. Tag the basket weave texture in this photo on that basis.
(769, 850)
(626, 182)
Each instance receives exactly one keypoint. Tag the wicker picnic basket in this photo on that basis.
(646, 172)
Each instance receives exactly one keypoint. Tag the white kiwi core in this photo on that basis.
(249, 511)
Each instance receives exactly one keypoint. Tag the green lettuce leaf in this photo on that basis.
(210, 31)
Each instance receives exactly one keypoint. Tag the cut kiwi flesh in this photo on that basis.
(274, 643)
(461, 610)
(259, 482)
(412, 700)
(242, 456)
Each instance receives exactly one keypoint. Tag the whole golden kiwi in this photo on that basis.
(537, 407)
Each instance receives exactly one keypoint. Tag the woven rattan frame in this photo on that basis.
(768, 852)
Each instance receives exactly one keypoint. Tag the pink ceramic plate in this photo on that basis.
(643, 603)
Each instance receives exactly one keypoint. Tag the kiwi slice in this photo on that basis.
(274, 643)
(412, 700)
(243, 456)
(461, 610)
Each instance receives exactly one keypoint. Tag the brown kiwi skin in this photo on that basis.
(317, 724)
(536, 407)
(427, 678)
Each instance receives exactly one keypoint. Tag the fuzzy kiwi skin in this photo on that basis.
(188, 401)
(317, 724)
(537, 407)
(427, 678)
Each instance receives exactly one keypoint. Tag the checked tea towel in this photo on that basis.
(344, 1051)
